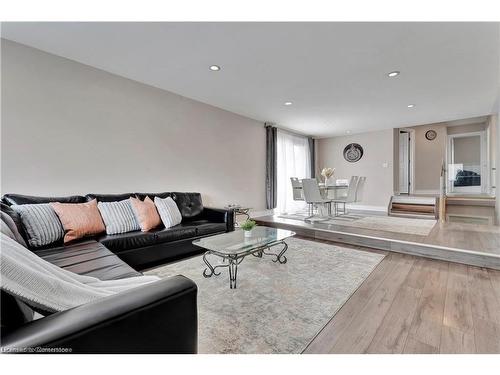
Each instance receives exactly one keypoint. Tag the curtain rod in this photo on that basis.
(272, 124)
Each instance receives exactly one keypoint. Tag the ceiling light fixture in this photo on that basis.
(214, 68)
(411, 105)
(348, 132)
(288, 103)
(394, 73)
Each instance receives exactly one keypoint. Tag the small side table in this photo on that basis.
(238, 211)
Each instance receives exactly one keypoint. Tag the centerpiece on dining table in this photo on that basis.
(327, 173)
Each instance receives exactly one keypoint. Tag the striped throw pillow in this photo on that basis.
(169, 212)
(40, 222)
(118, 217)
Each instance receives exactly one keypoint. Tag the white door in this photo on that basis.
(404, 162)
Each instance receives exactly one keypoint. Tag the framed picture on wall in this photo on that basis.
(430, 135)
(353, 152)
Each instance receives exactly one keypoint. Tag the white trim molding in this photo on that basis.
(366, 207)
(261, 213)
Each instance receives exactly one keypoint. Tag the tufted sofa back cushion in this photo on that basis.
(109, 197)
(11, 199)
(189, 204)
(161, 195)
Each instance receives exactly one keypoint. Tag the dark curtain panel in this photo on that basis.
(271, 166)
(313, 158)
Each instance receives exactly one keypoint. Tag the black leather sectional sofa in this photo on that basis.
(157, 318)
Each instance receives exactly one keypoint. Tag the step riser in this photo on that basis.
(413, 207)
(412, 216)
(478, 203)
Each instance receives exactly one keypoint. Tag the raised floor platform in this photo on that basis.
(477, 245)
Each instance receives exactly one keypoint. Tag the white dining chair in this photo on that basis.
(297, 189)
(360, 188)
(349, 198)
(313, 197)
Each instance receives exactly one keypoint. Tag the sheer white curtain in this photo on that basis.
(294, 160)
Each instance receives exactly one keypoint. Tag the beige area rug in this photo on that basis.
(277, 308)
(421, 227)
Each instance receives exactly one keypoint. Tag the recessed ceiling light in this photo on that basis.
(394, 73)
(214, 68)
(288, 103)
(411, 105)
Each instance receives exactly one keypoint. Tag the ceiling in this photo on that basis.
(335, 74)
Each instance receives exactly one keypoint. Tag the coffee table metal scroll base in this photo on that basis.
(233, 260)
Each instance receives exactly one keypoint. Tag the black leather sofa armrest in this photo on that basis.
(160, 317)
(219, 215)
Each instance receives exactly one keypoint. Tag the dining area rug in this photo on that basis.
(276, 308)
(417, 226)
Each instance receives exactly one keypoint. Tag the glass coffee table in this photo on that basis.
(233, 247)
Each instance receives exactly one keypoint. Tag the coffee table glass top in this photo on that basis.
(235, 242)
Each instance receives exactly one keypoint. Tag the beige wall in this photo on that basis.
(376, 164)
(68, 128)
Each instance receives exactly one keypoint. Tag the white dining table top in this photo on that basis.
(322, 186)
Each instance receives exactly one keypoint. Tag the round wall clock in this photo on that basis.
(430, 135)
(353, 152)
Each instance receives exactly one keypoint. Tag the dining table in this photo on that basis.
(337, 189)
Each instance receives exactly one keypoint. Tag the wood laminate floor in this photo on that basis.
(410, 304)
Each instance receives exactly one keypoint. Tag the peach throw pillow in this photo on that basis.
(79, 219)
(145, 213)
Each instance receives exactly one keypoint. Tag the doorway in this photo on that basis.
(467, 163)
(406, 152)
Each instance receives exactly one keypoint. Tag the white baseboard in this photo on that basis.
(366, 207)
(348, 206)
(261, 213)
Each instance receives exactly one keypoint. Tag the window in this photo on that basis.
(294, 160)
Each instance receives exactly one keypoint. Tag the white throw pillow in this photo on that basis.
(169, 212)
(118, 217)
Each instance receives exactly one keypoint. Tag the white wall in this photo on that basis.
(68, 128)
(378, 150)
